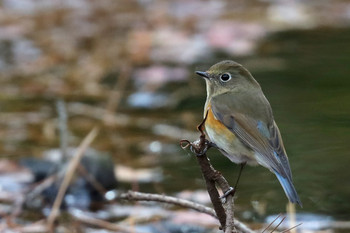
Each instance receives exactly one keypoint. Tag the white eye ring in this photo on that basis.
(225, 77)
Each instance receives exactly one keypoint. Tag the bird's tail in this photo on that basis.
(289, 189)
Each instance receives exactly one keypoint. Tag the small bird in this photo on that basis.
(239, 121)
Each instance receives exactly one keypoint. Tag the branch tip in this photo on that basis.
(184, 143)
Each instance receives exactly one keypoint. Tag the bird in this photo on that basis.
(239, 121)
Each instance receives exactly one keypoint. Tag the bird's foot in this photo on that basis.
(228, 192)
(201, 146)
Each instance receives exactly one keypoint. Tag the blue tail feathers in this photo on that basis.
(289, 189)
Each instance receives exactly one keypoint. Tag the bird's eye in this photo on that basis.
(225, 77)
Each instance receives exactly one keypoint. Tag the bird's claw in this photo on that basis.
(199, 152)
(228, 192)
(199, 148)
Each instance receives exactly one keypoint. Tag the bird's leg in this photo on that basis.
(228, 192)
(239, 174)
(233, 190)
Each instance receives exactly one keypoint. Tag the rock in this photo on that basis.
(40, 168)
(81, 193)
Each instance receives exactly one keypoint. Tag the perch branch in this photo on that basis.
(213, 177)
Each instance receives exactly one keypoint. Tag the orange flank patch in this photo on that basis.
(219, 128)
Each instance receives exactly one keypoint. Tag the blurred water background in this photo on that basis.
(128, 66)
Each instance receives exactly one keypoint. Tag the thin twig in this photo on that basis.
(91, 179)
(69, 175)
(40, 187)
(28, 195)
(80, 216)
(291, 228)
(278, 216)
(278, 225)
(138, 196)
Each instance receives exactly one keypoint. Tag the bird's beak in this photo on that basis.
(203, 74)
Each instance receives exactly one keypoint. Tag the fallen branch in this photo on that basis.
(80, 216)
(69, 175)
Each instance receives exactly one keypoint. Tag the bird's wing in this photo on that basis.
(257, 130)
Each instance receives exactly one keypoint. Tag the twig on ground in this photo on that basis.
(40, 187)
(80, 216)
(39, 226)
(34, 191)
(91, 179)
(69, 175)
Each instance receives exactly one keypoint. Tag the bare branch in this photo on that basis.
(69, 175)
(278, 224)
(210, 176)
(229, 215)
(268, 226)
(80, 216)
(138, 196)
(289, 229)
(213, 177)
